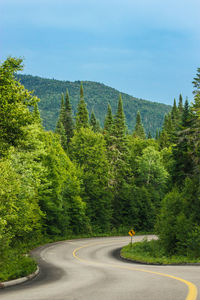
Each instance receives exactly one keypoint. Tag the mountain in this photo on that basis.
(97, 96)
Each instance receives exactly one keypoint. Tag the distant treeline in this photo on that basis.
(97, 96)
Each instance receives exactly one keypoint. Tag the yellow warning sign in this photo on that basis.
(131, 232)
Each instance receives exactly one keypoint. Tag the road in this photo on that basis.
(90, 269)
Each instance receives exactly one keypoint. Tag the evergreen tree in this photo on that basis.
(157, 134)
(175, 117)
(60, 129)
(68, 118)
(183, 165)
(108, 122)
(82, 116)
(119, 128)
(139, 129)
(120, 177)
(149, 135)
(36, 114)
(94, 123)
(186, 115)
(98, 126)
(180, 104)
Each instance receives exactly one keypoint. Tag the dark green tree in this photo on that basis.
(68, 118)
(60, 129)
(94, 123)
(180, 104)
(108, 122)
(139, 129)
(149, 135)
(119, 128)
(82, 116)
(36, 114)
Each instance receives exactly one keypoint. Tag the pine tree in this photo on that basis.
(98, 126)
(119, 128)
(60, 129)
(180, 104)
(186, 114)
(108, 122)
(82, 116)
(149, 135)
(157, 134)
(174, 113)
(36, 114)
(93, 121)
(183, 165)
(68, 118)
(118, 156)
(139, 129)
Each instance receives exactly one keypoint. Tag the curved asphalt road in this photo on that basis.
(90, 269)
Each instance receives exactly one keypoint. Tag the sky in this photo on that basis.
(149, 49)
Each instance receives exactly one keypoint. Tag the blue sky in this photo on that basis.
(148, 48)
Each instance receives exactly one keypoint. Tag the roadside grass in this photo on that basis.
(15, 265)
(151, 252)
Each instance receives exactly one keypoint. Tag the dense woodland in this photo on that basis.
(97, 97)
(85, 179)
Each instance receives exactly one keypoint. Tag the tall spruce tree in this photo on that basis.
(60, 129)
(119, 128)
(180, 103)
(183, 165)
(139, 129)
(186, 115)
(118, 155)
(108, 123)
(68, 118)
(82, 116)
(36, 114)
(94, 123)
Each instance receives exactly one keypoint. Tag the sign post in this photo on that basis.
(131, 233)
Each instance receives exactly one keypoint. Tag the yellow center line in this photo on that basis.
(192, 289)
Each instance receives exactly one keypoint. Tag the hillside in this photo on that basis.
(97, 96)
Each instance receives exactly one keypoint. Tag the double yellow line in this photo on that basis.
(192, 289)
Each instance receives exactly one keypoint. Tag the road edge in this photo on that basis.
(19, 280)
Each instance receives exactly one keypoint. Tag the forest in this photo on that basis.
(97, 96)
(85, 179)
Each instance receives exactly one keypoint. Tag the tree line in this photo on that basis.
(84, 179)
(97, 96)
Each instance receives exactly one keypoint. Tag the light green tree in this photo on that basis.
(89, 151)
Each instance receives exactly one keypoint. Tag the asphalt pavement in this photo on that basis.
(91, 269)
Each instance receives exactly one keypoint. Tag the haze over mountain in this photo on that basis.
(97, 96)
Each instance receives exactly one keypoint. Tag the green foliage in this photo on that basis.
(108, 122)
(112, 181)
(151, 252)
(94, 123)
(139, 129)
(150, 168)
(15, 100)
(60, 129)
(89, 152)
(68, 118)
(82, 117)
(15, 265)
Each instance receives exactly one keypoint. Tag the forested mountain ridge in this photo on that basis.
(97, 96)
